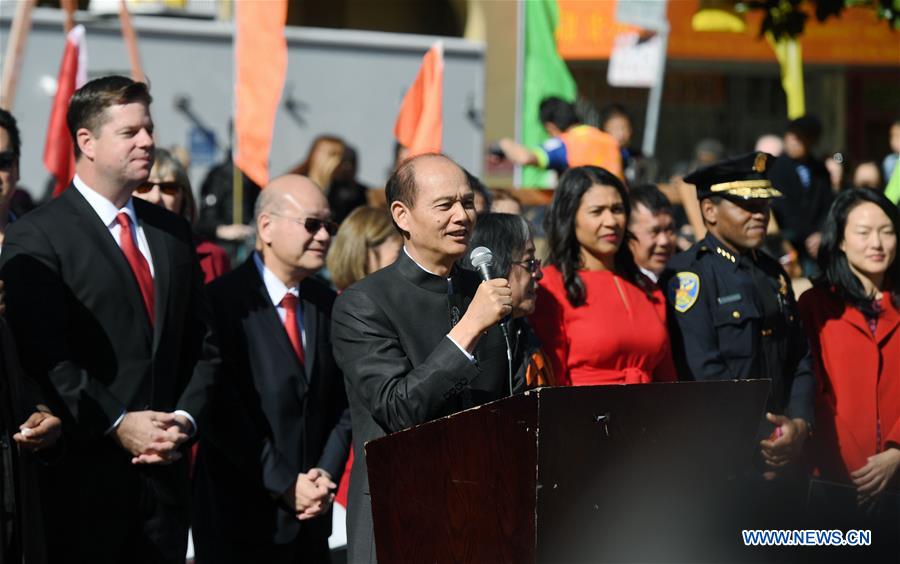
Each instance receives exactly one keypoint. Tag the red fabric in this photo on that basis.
(607, 340)
(419, 125)
(213, 260)
(59, 156)
(260, 58)
(137, 262)
(858, 376)
(341, 495)
(289, 303)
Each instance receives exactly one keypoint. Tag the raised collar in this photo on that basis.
(418, 275)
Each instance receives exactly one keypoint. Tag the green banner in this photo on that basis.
(546, 74)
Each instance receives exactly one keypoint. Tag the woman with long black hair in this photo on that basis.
(852, 318)
(597, 317)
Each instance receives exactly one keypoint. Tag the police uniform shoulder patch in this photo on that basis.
(684, 289)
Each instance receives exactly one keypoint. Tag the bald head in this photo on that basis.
(289, 192)
(294, 227)
(403, 185)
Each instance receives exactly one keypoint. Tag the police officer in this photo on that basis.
(732, 310)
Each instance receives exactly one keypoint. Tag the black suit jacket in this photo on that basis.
(75, 309)
(272, 419)
(390, 339)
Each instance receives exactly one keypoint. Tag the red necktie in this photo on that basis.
(289, 303)
(138, 263)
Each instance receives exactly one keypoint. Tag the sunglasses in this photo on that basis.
(531, 265)
(167, 188)
(312, 224)
(7, 160)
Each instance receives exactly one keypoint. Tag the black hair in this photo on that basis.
(651, 197)
(836, 272)
(505, 234)
(478, 187)
(610, 111)
(558, 112)
(807, 128)
(8, 122)
(559, 225)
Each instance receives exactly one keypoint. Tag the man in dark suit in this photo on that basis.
(419, 339)
(279, 437)
(105, 300)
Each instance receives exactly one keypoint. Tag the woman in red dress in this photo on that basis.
(599, 320)
(852, 318)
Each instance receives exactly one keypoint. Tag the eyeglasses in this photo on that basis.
(531, 265)
(312, 224)
(167, 188)
(7, 160)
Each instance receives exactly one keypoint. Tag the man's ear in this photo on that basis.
(400, 213)
(263, 230)
(710, 211)
(86, 142)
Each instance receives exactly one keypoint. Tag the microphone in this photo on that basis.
(482, 259)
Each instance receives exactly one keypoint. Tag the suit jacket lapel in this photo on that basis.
(310, 327)
(162, 276)
(103, 241)
(266, 319)
(888, 321)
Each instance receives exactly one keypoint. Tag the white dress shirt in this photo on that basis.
(107, 213)
(277, 291)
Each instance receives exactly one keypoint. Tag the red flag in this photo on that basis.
(261, 61)
(419, 125)
(59, 156)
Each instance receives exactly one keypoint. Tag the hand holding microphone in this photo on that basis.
(491, 304)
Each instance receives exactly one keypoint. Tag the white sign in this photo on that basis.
(635, 63)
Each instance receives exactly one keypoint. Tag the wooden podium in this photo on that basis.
(586, 474)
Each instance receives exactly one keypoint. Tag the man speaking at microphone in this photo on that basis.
(419, 339)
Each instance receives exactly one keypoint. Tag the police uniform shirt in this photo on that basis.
(733, 317)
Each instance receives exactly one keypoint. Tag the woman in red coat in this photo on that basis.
(852, 318)
(598, 318)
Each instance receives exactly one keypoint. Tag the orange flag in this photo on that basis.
(260, 63)
(419, 125)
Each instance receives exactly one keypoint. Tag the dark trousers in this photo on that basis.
(302, 550)
(100, 508)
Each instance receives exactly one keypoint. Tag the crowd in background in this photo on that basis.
(596, 295)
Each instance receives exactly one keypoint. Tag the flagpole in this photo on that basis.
(15, 53)
(130, 37)
(520, 83)
(237, 179)
(69, 7)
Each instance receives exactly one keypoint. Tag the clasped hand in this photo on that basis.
(311, 494)
(39, 431)
(153, 437)
(786, 447)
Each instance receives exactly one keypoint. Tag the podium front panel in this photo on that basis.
(458, 489)
(635, 473)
